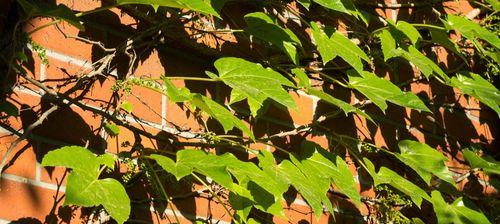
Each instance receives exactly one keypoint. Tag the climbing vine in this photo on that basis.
(312, 47)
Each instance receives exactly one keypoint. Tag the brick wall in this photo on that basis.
(34, 194)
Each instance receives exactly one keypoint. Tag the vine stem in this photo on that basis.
(158, 182)
(216, 196)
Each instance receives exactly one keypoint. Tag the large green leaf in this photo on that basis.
(83, 186)
(311, 191)
(486, 163)
(471, 30)
(203, 6)
(476, 86)
(378, 90)
(207, 105)
(424, 160)
(338, 45)
(387, 176)
(263, 27)
(255, 82)
(457, 212)
(254, 185)
(60, 11)
(316, 163)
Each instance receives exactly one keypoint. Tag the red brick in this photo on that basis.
(21, 160)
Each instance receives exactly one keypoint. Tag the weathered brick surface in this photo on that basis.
(32, 188)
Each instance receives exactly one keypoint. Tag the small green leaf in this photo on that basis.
(179, 170)
(388, 44)
(305, 3)
(263, 27)
(60, 11)
(378, 90)
(457, 212)
(254, 81)
(174, 94)
(221, 114)
(409, 31)
(424, 160)
(390, 177)
(423, 63)
(471, 30)
(112, 129)
(476, 86)
(325, 47)
(303, 80)
(487, 164)
(441, 37)
(126, 106)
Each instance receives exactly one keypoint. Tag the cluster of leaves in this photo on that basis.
(314, 170)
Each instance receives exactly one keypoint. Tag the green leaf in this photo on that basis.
(177, 169)
(303, 79)
(486, 163)
(410, 100)
(221, 114)
(338, 45)
(316, 163)
(441, 37)
(255, 187)
(60, 11)
(471, 30)
(325, 47)
(254, 81)
(203, 6)
(388, 44)
(495, 4)
(305, 3)
(378, 90)
(387, 176)
(287, 174)
(174, 94)
(127, 106)
(311, 191)
(83, 187)
(112, 129)
(9, 109)
(347, 108)
(423, 63)
(390, 177)
(409, 31)
(263, 27)
(424, 160)
(476, 86)
(336, 5)
(457, 212)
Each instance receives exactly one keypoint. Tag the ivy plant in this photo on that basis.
(296, 48)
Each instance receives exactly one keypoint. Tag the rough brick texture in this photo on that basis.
(33, 194)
